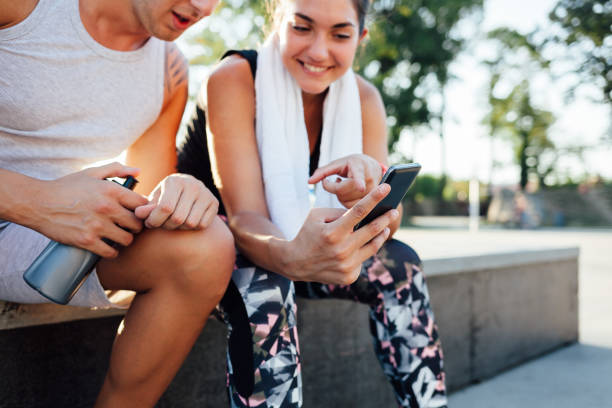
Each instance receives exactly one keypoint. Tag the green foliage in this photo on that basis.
(425, 186)
(223, 34)
(586, 30)
(410, 46)
(512, 115)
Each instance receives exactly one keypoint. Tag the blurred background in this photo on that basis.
(514, 96)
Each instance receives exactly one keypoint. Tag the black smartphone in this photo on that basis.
(400, 177)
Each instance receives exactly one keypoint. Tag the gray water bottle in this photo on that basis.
(60, 270)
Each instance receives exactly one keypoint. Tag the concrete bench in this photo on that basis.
(494, 311)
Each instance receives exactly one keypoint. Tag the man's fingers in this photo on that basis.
(114, 169)
(363, 207)
(210, 214)
(129, 199)
(166, 206)
(103, 249)
(119, 236)
(181, 211)
(127, 220)
(144, 211)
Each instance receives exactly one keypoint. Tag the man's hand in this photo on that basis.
(179, 201)
(361, 174)
(327, 249)
(81, 209)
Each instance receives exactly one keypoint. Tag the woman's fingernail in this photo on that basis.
(394, 213)
(386, 232)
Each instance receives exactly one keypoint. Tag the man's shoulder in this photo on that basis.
(13, 12)
(176, 69)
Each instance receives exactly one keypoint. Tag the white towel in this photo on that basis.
(282, 139)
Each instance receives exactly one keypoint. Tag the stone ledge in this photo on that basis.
(490, 319)
(14, 315)
(441, 266)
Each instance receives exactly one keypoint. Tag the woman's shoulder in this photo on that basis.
(232, 72)
(369, 95)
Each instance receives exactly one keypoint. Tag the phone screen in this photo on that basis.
(400, 177)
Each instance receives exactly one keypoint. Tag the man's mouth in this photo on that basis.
(181, 21)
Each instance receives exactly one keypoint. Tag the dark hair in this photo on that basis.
(274, 8)
(362, 10)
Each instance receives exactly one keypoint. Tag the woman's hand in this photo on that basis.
(360, 173)
(327, 249)
(179, 201)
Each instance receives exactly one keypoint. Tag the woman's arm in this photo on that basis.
(230, 102)
(326, 249)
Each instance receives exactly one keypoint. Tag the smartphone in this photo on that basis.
(400, 177)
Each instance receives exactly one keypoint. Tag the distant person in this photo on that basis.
(292, 114)
(81, 81)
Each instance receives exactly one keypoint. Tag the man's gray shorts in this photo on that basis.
(19, 246)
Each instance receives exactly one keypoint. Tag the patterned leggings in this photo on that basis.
(401, 322)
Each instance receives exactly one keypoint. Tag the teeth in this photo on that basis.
(313, 68)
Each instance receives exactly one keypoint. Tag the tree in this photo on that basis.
(515, 118)
(411, 44)
(586, 31)
(513, 115)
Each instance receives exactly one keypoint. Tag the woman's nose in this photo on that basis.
(318, 50)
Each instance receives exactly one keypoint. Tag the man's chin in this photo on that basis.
(167, 35)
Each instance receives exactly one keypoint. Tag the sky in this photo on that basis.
(468, 150)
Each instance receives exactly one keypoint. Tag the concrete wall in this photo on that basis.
(494, 312)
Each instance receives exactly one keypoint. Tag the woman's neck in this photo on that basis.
(313, 116)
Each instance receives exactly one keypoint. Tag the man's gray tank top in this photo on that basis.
(66, 101)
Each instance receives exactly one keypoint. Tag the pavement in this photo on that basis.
(578, 376)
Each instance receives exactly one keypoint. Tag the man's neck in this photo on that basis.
(113, 23)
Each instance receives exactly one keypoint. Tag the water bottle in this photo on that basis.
(60, 270)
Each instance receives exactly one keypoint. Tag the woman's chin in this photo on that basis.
(313, 89)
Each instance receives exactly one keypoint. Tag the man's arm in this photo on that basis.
(18, 197)
(13, 12)
(177, 201)
(154, 153)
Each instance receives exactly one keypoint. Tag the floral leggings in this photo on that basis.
(401, 322)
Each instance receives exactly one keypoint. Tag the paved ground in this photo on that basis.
(579, 376)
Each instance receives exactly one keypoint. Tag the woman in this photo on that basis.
(294, 114)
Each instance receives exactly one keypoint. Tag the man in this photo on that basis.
(81, 81)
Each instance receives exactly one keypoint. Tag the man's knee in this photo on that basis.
(202, 260)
